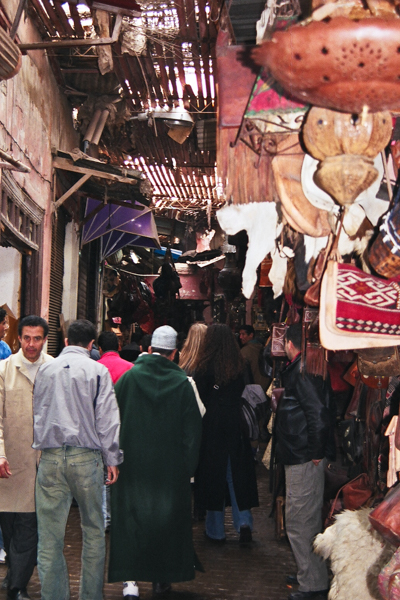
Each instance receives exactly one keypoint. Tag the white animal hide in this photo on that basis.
(277, 272)
(260, 220)
(313, 246)
(357, 554)
(353, 217)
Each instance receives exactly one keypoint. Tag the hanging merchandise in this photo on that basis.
(333, 62)
(313, 355)
(389, 578)
(358, 310)
(384, 254)
(277, 15)
(311, 297)
(385, 518)
(379, 362)
(278, 340)
(345, 144)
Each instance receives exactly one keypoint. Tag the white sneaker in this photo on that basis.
(2, 556)
(131, 590)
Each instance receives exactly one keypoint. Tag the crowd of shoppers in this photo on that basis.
(161, 425)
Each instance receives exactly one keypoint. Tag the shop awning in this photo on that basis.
(118, 226)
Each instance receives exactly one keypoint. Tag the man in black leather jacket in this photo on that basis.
(304, 440)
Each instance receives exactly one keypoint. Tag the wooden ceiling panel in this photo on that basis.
(176, 70)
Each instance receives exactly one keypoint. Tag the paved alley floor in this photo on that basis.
(232, 572)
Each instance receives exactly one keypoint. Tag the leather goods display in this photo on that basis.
(389, 578)
(385, 518)
(336, 371)
(312, 353)
(332, 63)
(276, 396)
(352, 432)
(357, 309)
(278, 340)
(384, 254)
(355, 493)
(311, 297)
(379, 362)
(375, 381)
(278, 330)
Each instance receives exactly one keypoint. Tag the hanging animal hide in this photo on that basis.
(260, 220)
(357, 553)
(277, 272)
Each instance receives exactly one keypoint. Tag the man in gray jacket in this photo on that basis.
(76, 426)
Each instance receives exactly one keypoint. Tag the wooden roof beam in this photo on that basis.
(66, 43)
(68, 165)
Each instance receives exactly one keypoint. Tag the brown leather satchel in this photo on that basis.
(355, 493)
(385, 518)
(311, 297)
(313, 359)
(379, 362)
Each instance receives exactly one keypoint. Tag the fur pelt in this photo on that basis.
(357, 554)
(260, 220)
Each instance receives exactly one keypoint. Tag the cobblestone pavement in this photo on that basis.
(257, 572)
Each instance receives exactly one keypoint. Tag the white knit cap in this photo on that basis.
(164, 338)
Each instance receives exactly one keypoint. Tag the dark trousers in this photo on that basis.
(20, 542)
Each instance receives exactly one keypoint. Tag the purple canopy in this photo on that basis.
(119, 226)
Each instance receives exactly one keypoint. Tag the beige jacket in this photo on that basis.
(17, 493)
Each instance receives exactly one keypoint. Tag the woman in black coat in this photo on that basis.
(226, 472)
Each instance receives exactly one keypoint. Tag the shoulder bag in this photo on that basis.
(385, 518)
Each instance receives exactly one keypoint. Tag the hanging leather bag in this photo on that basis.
(385, 518)
(312, 295)
(379, 362)
(276, 396)
(355, 493)
(278, 340)
(278, 331)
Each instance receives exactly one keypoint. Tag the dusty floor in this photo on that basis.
(231, 572)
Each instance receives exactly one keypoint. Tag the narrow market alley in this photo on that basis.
(257, 572)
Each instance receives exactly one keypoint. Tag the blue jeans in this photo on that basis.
(65, 473)
(215, 518)
(106, 506)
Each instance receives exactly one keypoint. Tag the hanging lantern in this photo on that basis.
(346, 145)
(330, 133)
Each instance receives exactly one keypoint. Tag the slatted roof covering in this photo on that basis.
(171, 64)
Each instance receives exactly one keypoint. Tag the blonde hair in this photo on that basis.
(190, 351)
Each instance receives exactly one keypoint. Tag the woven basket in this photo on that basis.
(382, 258)
(10, 56)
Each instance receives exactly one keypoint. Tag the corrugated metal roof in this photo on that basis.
(243, 16)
